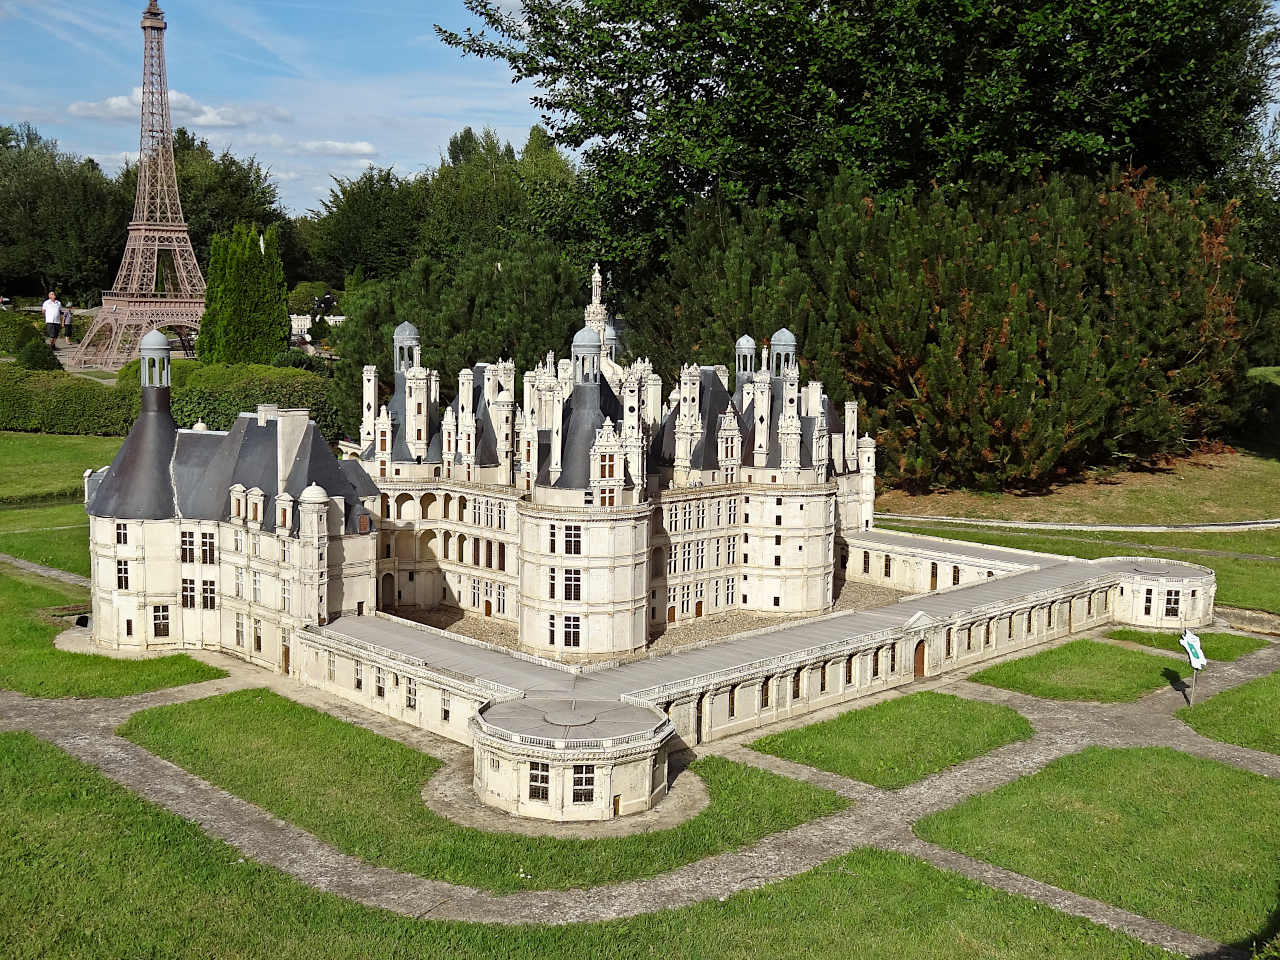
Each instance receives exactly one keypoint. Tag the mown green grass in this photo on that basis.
(92, 872)
(36, 466)
(1181, 839)
(1085, 670)
(53, 535)
(1247, 715)
(30, 664)
(1216, 646)
(900, 741)
(1242, 582)
(362, 793)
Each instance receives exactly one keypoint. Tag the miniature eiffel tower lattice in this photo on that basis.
(159, 283)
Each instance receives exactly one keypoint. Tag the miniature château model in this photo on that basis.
(598, 511)
(591, 517)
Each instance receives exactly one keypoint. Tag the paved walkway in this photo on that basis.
(1225, 526)
(51, 572)
(877, 818)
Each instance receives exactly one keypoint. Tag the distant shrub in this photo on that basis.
(37, 355)
(16, 331)
(57, 402)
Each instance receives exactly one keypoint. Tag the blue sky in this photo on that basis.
(314, 88)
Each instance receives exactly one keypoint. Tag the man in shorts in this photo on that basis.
(52, 317)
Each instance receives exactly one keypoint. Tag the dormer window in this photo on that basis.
(255, 512)
(606, 466)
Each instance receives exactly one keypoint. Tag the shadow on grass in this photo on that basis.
(1265, 944)
(1177, 683)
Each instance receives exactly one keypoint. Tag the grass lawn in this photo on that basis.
(1085, 670)
(362, 793)
(1186, 491)
(55, 535)
(1247, 715)
(30, 664)
(900, 741)
(1216, 646)
(92, 872)
(1242, 582)
(1181, 839)
(36, 466)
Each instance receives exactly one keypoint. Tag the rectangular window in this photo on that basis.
(795, 685)
(848, 672)
(888, 565)
(240, 582)
(688, 516)
(573, 584)
(188, 594)
(606, 466)
(764, 692)
(257, 635)
(187, 551)
(572, 631)
(208, 553)
(684, 598)
(1172, 600)
(866, 561)
(875, 663)
(702, 514)
(208, 595)
(331, 668)
(539, 780)
(379, 682)
(572, 538)
(1146, 605)
(122, 574)
(731, 550)
(551, 583)
(701, 561)
(893, 658)
(286, 595)
(445, 708)
(122, 534)
(733, 511)
(1028, 631)
(359, 675)
(733, 701)
(822, 678)
(255, 545)
(730, 591)
(239, 629)
(955, 576)
(257, 587)
(237, 541)
(551, 629)
(551, 539)
(284, 546)
(686, 552)
(160, 621)
(584, 782)
(950, 647)
(501, 591)
(411, 693)
(475, 592)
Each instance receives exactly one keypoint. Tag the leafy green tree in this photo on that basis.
(370, 222)
(671, 101)
(62, 220)
(245, 318)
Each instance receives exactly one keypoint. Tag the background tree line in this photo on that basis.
(1029, 239)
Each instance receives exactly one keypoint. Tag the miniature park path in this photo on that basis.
(878, 818)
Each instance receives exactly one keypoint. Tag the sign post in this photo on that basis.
(1191, 643)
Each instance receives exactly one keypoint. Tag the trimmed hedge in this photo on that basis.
(56, 402)
(17, 329)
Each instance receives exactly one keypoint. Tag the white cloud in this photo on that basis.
(338, 148)
(185, 109)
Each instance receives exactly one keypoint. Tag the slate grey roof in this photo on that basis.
(585, 412)
(194, 476)
(136, 486)
(571, 718)
(713, 400)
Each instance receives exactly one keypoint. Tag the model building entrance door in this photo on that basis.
(920, 659)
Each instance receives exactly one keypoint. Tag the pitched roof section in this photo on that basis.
(137, 486)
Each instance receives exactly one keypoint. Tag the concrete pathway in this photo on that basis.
(877, 818)
(1225, 526)
(52, 573)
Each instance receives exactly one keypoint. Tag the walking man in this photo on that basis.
(52, 317)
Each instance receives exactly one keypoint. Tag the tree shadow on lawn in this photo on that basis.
(1265, 944)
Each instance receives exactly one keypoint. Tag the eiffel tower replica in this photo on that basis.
(159, 283)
